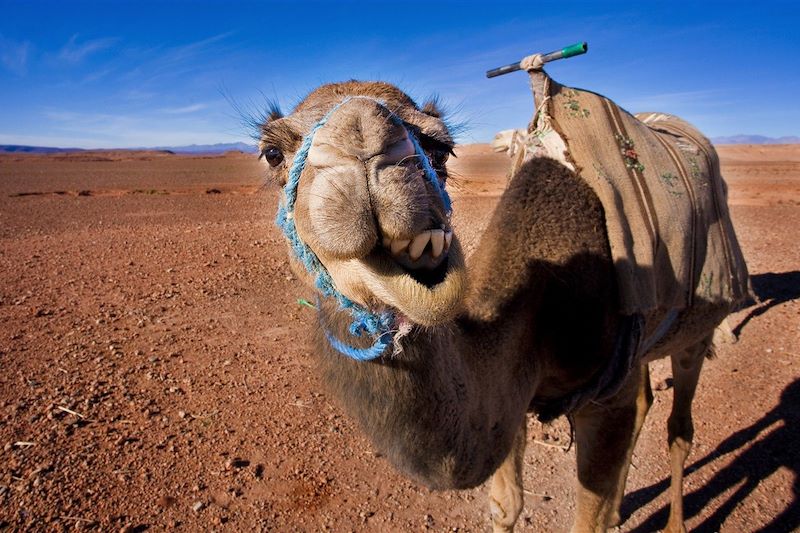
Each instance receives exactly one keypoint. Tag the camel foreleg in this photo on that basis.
(605, 438)
(644, 400)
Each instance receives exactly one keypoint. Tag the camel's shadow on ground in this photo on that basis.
(771, 289)
(770, 443)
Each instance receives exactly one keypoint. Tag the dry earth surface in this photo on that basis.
(155, 373)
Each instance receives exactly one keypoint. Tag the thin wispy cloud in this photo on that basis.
(75, 52)
(14, 55)
(110, 130)
(678, 99)
(97, 75)
(185, 109)
(175, 61)
(137, 95)
(190, 50)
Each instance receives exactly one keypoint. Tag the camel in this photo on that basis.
(440, 360)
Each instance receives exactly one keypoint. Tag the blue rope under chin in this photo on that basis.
(377, 325)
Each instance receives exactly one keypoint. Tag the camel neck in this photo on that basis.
(438, 410)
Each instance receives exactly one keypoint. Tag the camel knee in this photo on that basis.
(505, 495)
(645, 399)
(505, 509)
(680, 428)
(505, 498)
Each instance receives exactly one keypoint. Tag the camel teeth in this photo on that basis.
(418, 245)
(399, 245)
(448, 238)
(437, 242)
(387, 242)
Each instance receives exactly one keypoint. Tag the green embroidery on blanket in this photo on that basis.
(573, 107)
(671, 181)
(629, 155)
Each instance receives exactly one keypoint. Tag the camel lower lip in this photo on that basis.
(429, 277)
(426, 271)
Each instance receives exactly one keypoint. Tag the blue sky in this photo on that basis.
(124, 74)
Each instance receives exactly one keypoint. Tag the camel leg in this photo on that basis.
(686, 367)
(605, 435)
(644, 400)
(505, 494)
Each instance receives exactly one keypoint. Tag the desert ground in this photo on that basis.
(155, 372)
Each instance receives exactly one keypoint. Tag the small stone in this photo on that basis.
(181, 414)
(236, 462)
(662, 385)
(166, 501)
(197, 506)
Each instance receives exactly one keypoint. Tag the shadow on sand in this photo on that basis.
(771, 443)
(771, 289)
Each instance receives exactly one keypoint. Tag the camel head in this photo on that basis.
(363, 175)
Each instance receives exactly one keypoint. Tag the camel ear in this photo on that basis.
(271, 115)
(273, 112)
(433, 107)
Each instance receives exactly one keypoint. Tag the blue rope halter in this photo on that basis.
(377, 325)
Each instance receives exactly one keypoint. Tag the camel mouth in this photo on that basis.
(424, 258)
(428, 290)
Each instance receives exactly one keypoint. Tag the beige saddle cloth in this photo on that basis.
(665, 201)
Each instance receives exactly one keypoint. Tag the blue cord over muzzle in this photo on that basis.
(377, 325)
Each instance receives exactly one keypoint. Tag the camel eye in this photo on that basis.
(273, 155)
(439, 157)
(438, 151)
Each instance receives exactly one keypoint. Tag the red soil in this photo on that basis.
(155, 373)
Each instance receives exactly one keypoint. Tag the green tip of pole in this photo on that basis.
(574, 50)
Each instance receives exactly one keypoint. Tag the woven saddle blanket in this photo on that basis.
(665, 201)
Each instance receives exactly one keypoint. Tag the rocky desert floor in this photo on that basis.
(155, 372)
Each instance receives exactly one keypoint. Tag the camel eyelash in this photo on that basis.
(432, 144)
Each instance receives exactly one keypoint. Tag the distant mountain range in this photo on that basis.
(15, 148)
(755, 139)
(208, 148)
(189, 149)
(252, 148)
